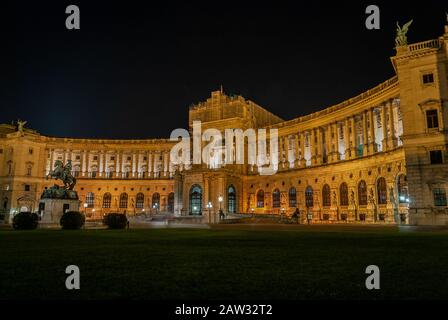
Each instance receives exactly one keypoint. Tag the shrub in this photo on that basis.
(115, 220)
(72, 220)
(25, 221)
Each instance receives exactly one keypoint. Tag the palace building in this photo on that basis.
(379, 157)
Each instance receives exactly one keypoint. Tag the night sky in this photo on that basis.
(134, 67)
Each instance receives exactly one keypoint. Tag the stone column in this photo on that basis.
(138, 166)
(101, 166)
(365, 135)
(384, 127)
(297, 149)
(302, 150)
(134, 164)
(281, 151)
(372, 125)
(393, 142)
(149, 164)
(123, 163)
(328, 143)
(336, 156)
(319, 132)
(83, 162)
(313, 147)
(64, 156)
(346, 139)
(353, 147)
(156, 164)
(287, 151)
(117, 163)
(165, 163)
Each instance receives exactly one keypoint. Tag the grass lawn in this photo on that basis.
(223, 263)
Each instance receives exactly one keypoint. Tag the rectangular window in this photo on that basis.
(27, 187)
(30, 150)
(432, 119)
(78, 157)
(112, 158)
(95, 158)
(1, 151)
(436, 157)
(129, 158)
(439, 197)
(428, 78)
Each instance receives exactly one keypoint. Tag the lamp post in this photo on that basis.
(282, 212)
(220, 199)
(221, 214)
(209, 207)
(85, 208)
(252, 210)
(93, 213)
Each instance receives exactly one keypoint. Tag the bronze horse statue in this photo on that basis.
(63, 173)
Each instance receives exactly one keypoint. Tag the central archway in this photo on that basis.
(196, 200)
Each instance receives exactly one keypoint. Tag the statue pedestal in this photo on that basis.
(55, 201)
(51, 210)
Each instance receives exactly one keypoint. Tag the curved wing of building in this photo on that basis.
(379, 157)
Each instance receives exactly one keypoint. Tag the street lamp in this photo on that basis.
(282, 212)
(220, 199)
(209, 207)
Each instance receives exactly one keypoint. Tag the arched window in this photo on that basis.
(90, 199)
(362, 193)
(156, 200)
(123, 200)
(343, 194)
(309, 201)
(139, 200)
(381, 188)
(260, 199)
(292, 196)
(402, 186)
(195, 200)
(231, 199)
(276, 198)
(326, 196)
(171, 202)
(29, 169)
(107, 200)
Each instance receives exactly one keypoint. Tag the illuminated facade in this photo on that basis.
(379, 157)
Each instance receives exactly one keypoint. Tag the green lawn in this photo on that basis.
(233, 263)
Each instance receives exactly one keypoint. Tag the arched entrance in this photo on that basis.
(196, 200)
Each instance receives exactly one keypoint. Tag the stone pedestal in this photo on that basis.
(51, 210)
(55, 201)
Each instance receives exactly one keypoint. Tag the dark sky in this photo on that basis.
(135, 66)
